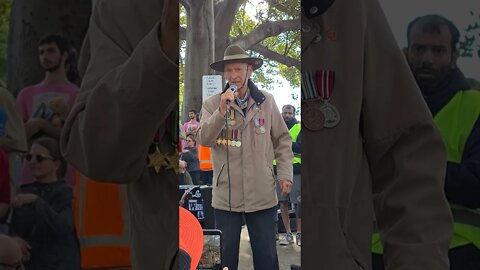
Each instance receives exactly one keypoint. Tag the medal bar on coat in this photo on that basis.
(324, 84)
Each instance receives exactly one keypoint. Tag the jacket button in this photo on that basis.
(306, 28)
(313, 10)
(317, 38)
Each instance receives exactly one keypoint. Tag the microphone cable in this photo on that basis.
(227, 117)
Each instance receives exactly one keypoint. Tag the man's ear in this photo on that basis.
(455, 55)
(249, 71)
(65, 56)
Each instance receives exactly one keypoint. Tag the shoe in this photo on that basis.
(286, 239)
(299, 239)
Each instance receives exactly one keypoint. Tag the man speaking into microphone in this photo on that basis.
(246, 132)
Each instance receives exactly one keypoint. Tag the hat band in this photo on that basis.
(235, 56)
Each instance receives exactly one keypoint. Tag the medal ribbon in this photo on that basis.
(308, 86)
(324, 83)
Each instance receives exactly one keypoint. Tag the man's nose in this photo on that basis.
(427, 58)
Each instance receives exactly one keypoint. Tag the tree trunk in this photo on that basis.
(29, 21)
(199, 52)
(224, 18)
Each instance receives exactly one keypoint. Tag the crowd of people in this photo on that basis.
(253, 160)
(36, 190)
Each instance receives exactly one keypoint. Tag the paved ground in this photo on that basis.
(287, 255)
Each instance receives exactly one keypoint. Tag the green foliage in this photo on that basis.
(181, 66)
(469, 45)
(5, 7)
(285, 44)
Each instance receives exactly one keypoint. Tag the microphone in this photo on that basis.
(234, 90)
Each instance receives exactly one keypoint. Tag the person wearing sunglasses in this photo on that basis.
(10, 254)
(190, 155)
(42, 220)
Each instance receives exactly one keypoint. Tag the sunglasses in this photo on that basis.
(15, 266)
(38, 158)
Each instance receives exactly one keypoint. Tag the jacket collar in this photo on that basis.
(319, 6)
(256, 95)
(452, 84)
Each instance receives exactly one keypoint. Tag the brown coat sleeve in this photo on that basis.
(211, 123)
(406, 156)
(129, 89)
(15, 139)
(282, 144)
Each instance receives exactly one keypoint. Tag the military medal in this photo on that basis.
(325, 82)
(312, 117)
(232, 117)
(257, 125)
(238, 143)
(262, 125)
(224, 141)
(232, 140)
(157, 159)
(173, 162)
(317, 88)
(259, 128)
(332, 116)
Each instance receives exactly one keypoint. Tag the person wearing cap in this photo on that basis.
(373, 151)
(246, 132)
(122, 128)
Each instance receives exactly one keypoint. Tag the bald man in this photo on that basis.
(10, 254)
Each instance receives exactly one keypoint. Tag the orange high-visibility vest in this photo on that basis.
(101, 220)
(205, 158)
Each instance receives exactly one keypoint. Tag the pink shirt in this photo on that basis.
(31, 97)
(187, 127)
(28, 101)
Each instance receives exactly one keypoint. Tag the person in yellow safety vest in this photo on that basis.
(432, 55)
(206, 165)
(294, 127)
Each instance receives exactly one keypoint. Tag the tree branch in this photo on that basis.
(283, 59)
(267, 29)
(275, 4)
(224, 12)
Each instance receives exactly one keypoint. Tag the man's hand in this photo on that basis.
(24, 246)
(169, 29)
(285, 186)
(23, 199)
(52, 129)
(228, 95)
(32, 127)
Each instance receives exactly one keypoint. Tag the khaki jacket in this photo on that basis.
(384, 159)
(129, 89)
(252, 183)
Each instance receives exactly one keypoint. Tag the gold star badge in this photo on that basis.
(157, 160)
(173, 162)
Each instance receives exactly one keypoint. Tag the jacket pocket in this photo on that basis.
(219, 174)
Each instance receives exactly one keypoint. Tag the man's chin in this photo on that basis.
(425, 76)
